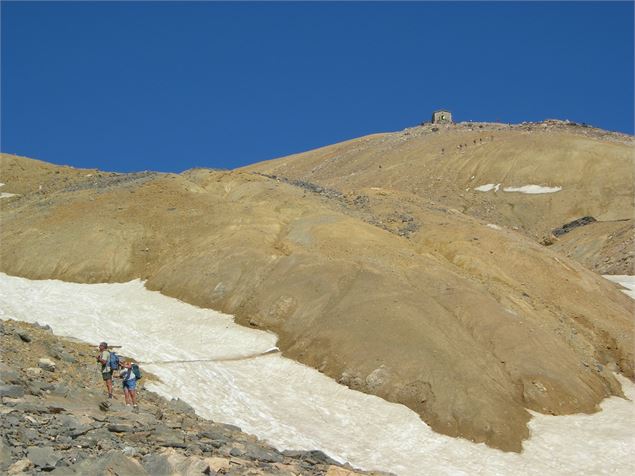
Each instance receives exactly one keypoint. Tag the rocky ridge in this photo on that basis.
(55, 420)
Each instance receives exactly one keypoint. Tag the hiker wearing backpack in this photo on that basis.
(104, 358)
(130, 374)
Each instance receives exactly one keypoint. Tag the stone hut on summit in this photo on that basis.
(442, 116)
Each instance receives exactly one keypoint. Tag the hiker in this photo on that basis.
(129, 384)
(106, 370)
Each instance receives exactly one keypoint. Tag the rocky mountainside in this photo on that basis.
(493, 172)
(55, 420)
(467, 322)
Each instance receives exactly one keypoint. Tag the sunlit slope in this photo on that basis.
(604, 247)
(467, 325)
(593, 169)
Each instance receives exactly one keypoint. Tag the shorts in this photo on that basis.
(130, 384)
(106, 375)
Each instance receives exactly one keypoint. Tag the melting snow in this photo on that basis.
(532, 189)
(293, 406)
(487, 187)
(624, 280)
(7, 194)
(495, 227)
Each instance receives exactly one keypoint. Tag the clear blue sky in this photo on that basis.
(170, 86)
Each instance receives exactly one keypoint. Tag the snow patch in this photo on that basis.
(625, 281)
(488, 187)
(7, 194)
(495, 227)
(532, 189)
(296, 407)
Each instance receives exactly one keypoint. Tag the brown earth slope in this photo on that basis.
(423, 305)
(446, 164)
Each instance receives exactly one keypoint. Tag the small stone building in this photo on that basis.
(441, 117)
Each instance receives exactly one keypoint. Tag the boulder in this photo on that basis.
(24, 336)
(218, 465)
(19, 467)
(113, 462)
(8, 375)
(120, 427)
(258, 453)
(180, 406)
(312, 457)
(5, 455)
(46, 364)
(34, 371)
(157, 465)
(338, 471)
(11, 391)
(44, 458)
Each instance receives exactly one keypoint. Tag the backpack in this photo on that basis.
(113, 361)
(136, 371)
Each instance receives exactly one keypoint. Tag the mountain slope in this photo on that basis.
(484, 170)
(467, 325)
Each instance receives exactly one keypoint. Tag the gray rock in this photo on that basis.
(120, 427)
(24, 336)
(258, 453)
(12, 391)
(33, 372)
(63, 440)
(8, 375)
(82, 430)
(68, 421)
(5, 455)
(180, 406)
(46, 364)
(312, 457)
(28, 435)
(213, 438)
(19, 467)
(112, 463)
(90, 439)
(129, 451)
(59, 353)
(43, 457)
(157, 465)
(168, 438)
(60, 390)
(45, 327)
(11, 420)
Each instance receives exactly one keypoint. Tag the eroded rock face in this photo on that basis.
(455, 320)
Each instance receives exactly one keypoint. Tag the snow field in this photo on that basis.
(528, 189)
(625, 281)
(296, 407)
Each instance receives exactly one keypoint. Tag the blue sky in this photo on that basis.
(169, 86)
